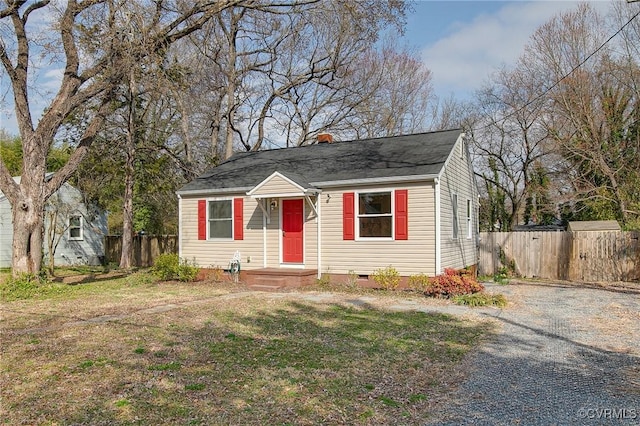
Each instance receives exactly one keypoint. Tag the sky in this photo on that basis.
(464, 42)
(461, 42)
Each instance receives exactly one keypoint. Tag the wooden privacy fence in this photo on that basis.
(146, 248)
(576, 256)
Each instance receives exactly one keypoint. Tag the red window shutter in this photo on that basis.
(348, 216)
(402, 214)
(202, 219)
(238, 226)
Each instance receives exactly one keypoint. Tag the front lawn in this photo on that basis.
(169, 353)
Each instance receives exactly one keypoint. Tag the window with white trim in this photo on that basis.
(375, 215)
(75, 227)
(469, 224)
(220, 216)
(454, 206)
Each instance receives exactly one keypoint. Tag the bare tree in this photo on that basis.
(509, 144)
(285, 76)
(594, 110)
(90, 36)
(394, 93)
(559, 131)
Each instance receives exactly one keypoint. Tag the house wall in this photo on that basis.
(89, 250)
(219, 253)
(66, 201)
(412, 256)
(457, 178)
(6, 233)
(212, 253)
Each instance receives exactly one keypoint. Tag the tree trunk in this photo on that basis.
(127, 212)
(127, 204)
(27, 236)
(52, 217)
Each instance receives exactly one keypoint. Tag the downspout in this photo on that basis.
(438, 236)
(179, 226)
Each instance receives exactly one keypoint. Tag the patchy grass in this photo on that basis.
(222, 357)
(481, 299)
(68, 285)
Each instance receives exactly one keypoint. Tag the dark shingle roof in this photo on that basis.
(410, 155)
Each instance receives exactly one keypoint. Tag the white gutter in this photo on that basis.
(304, 193)
(366, 181)
(205, 192)
(438, 236)
(179, 224)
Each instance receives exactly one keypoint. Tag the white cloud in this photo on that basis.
(463, 60)
(51, 79)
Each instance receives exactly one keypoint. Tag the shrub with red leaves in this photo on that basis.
(452, 283)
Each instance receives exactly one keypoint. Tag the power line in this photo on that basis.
(554, 85)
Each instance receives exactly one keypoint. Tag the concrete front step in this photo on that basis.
(269, 281)
(264, 287)
(279, 278)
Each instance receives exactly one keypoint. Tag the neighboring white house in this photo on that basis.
(76, 231)
(345, 207)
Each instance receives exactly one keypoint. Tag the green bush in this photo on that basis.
(501, 277)
(419, 282)
(481, 299)
(171, 267)
(387, 278)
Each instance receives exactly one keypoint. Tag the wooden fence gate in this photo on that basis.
(576, 256)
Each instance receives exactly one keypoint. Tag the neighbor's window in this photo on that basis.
(375, 216)
(75, 227)
(220, 219)
(454, 205)
(469, 224)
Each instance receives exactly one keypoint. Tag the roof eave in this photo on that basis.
(214, 191)
(377, 180)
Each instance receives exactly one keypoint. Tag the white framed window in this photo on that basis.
(375, 215)
(75, 227)
(469, 221)
(220, 218)
(454, 208)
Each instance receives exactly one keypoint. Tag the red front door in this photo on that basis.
(292, 234)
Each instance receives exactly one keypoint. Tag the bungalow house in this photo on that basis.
(73, 232)
(336, 208)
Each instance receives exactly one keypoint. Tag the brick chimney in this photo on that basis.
(325, 138)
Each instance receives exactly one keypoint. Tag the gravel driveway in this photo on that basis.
(565, 355)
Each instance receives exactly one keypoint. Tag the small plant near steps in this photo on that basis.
(387, 278)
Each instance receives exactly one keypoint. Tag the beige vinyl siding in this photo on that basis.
(457, 178)
(212, 253)
(276, 185)
(219, 252)
(413, 256)
(310, 236)
(273, 238)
